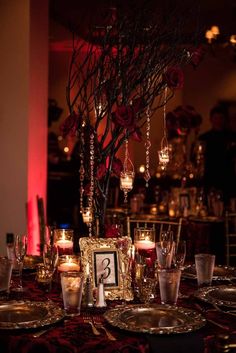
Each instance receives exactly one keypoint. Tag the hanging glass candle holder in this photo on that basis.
(126, 182)
(164, 154)
(87, 215)
(127, 175)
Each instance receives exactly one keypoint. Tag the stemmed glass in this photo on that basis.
(180, 254)
(125, 263)
(50, 256)
(165, 249)
(179, 259)
(20, 249)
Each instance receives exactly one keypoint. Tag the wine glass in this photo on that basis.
(125, 262)
(50, 255)
(165, 249)
(180, 254)
(179, 259)
(20, 249)
(125, 266)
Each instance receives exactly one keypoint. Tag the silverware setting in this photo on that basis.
(213, 322)
(98, 323)
(41, 332)
(89, 320)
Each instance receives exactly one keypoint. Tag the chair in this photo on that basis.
(158, 225)
(230, 237)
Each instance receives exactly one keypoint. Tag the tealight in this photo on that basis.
(69, 263)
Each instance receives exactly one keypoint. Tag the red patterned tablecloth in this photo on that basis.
(75, 336)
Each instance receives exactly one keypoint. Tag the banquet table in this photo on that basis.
(74, 335)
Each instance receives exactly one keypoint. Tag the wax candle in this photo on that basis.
(144, 244)
(64, 243)
(87, 216)
(69, 265)
(126, 182)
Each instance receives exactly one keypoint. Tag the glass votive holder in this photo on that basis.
(69, 263)
(144, 242)
(63, 239)
(87, 215)
(72, 289)
(44, 276)
(126, 180)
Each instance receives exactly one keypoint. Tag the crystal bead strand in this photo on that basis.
(147, 175)
(91, 191)
(82, 170)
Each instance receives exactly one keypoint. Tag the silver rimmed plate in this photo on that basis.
(155, 319)
(21, 315)
(219, 295)
(221, 273)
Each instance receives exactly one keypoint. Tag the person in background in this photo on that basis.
(220, 156)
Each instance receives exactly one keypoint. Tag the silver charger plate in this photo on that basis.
(155, 319)
(219, 295)
(220, 273)
(27, 314)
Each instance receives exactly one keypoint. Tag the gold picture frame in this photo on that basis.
(102, 256)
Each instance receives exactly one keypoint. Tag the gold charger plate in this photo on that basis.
(219, 295)
(22, 315)
(155, 319)
(220, 273)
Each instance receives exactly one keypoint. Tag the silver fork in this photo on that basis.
(88, 320)
(98, 323)
(41, 332)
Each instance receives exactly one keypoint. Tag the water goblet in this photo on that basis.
(20, 249)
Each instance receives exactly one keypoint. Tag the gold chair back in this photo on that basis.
(158, 225)
(230, 237)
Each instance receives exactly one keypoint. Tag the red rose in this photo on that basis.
(125, 116)
(174, 77)
(70, 125)
(182, 119)
(117, 166)
(101, 171)
(112, 231)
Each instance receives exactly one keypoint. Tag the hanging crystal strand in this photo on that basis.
(91, 191)
(147, 175)
(126, 155)
(82, 170)
(163, 154)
